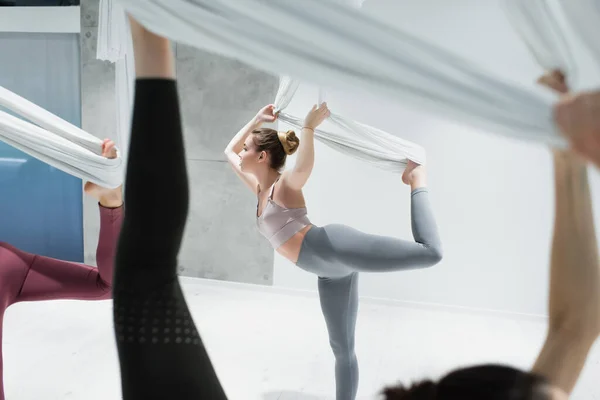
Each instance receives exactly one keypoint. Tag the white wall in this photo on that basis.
(493, 197)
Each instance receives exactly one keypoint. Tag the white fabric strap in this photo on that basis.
(56, 141)
(327, 43)
(540, 30)
(322, 95)
(357, 140)
(584, 18)
(115, 45)
(112, 31)
(338, 46)
(63, 145)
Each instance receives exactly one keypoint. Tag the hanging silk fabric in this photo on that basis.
(540, 30)
(335, 45)
(359, 141)
(115, 46)
(61, 144)
(56, 141)
(338, 46)
(583, 17)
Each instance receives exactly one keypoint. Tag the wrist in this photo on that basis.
(567, 161)
(257, 121)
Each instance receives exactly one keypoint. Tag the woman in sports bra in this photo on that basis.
(335, 253)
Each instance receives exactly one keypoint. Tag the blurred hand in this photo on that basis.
(554, 80)
(578, 117)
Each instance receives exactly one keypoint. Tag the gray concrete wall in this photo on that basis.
(218, 96)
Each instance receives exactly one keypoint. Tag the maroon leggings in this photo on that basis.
(29, 277)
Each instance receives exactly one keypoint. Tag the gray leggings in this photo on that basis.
(336, 253)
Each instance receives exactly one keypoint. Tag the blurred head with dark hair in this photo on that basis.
(486, 382)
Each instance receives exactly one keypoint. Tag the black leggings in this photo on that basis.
(161, 354)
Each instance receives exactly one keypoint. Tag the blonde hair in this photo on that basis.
(278, 144)
(289, 141)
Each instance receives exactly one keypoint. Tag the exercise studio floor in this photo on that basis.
(266, 344)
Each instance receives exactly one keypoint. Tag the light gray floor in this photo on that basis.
(266, 343)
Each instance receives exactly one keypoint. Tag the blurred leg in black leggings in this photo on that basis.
(160, 351)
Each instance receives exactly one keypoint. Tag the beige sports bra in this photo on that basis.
(278, 224)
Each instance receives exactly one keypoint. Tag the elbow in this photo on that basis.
(228, 155)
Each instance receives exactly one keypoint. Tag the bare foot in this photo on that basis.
(414, 175)
(111, 198)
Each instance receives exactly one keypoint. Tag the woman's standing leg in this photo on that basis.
(339, 303)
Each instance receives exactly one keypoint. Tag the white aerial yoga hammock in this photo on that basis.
(533, 20)
(116, 46)
(583, 17)
(63, 145)
(360, 141)
(540, 30)
(334, 46)
(339, 46)
(56, 141)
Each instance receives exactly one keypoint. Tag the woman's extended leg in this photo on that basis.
(336, 251)
(160, 351)
(356, 251)
(48, 278)
(372, 253)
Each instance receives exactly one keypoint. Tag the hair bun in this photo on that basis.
(425, 390)
(290, 141)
